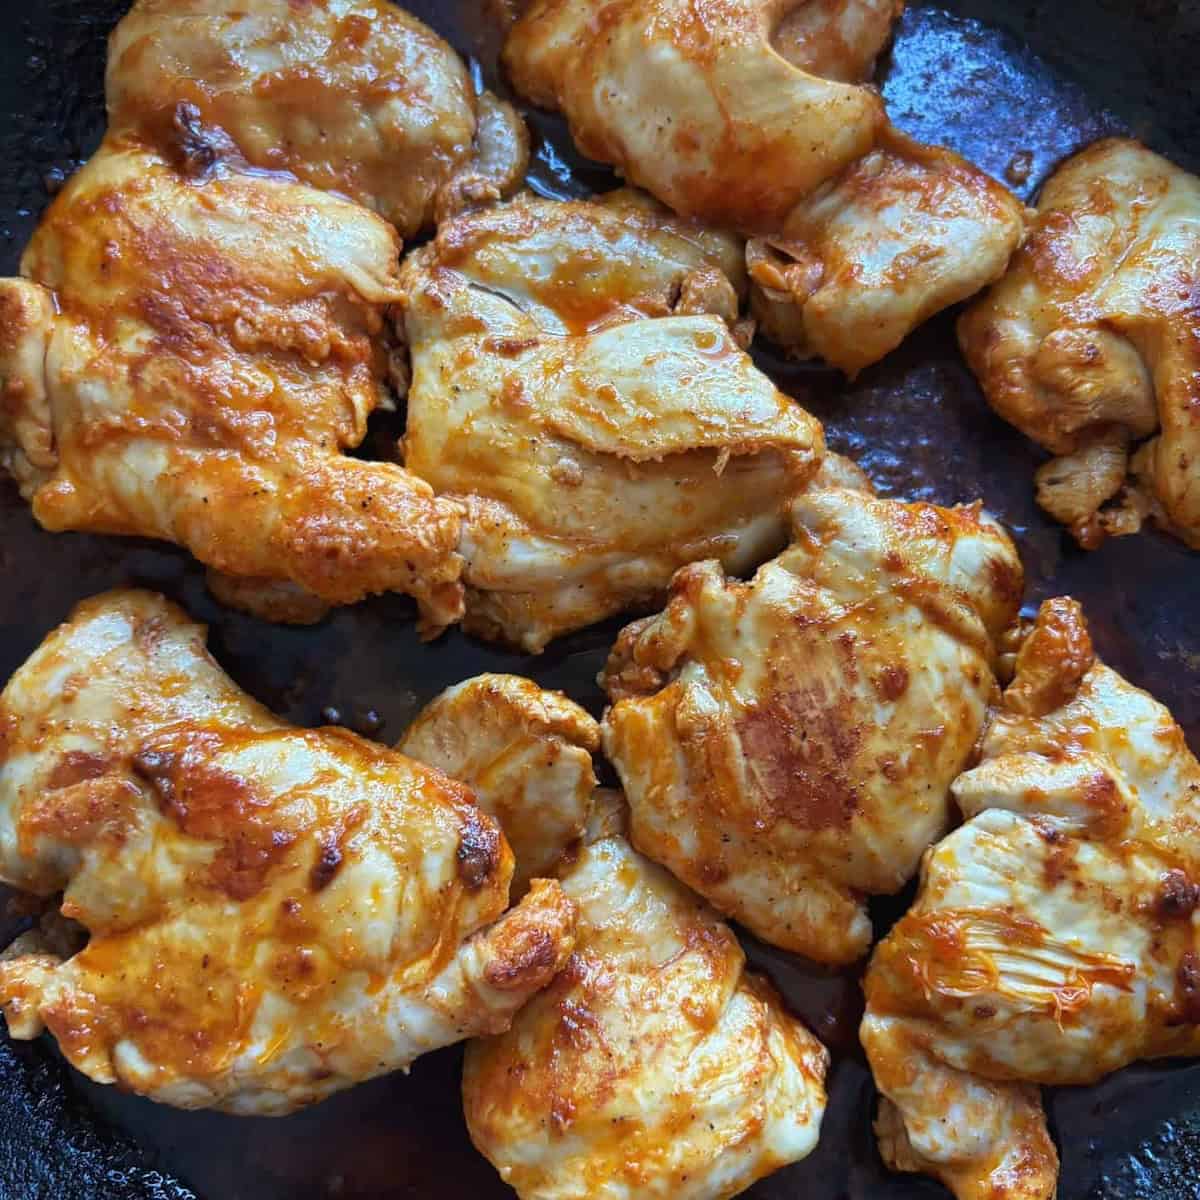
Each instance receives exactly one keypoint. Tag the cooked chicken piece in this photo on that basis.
(578, 386)
(352, 96)
(904, 232)
(166, 376)
(497, 167)
(274, 913)
(525, 752)
(692, 103)
(655, 1065)
(788, 744)
(1054, 937)
(861, 233)
(983, 1140)
(1093, 337)
(836, 39)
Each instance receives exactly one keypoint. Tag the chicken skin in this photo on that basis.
(352, 96)
(578, 386)
(527, 754)
(859, 233)
(1054, 937)
(788, 744)
(164, 377)
(275, 913)
(1091, 342)
(656, 1065)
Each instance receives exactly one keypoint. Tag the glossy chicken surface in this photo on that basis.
(167, 378)
(655, 1065)
(860, 234)
(274, 913)
(1054, 937)
(578, 385)
(899, 235)
(690, 101)
(352, 96)
(1091, 342)
(527, 754)
(788, 744)
(836, 39)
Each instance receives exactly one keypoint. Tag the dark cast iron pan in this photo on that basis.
(999, 80)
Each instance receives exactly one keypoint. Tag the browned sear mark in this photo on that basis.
(1177, 897)
(327, 864)
(217, 805)
(799, 745)
(478, 854)
(532, 953)
(892, 682)
(76, 766)
(199, 149)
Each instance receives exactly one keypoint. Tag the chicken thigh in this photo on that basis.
(691, 102)
(274, 913)
(352, 96)
(578, 386)
(788, 744)
(527, 753)
(860, 233)
(1055, 936)
(656, 1065)
(1091, 342)
(187, 359)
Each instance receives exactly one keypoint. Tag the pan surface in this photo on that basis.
(993, 79)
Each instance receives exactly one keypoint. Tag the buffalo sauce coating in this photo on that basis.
(188, 1000)
(1053, 939)
(602, 264)
(690, 101)
(578, 384)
